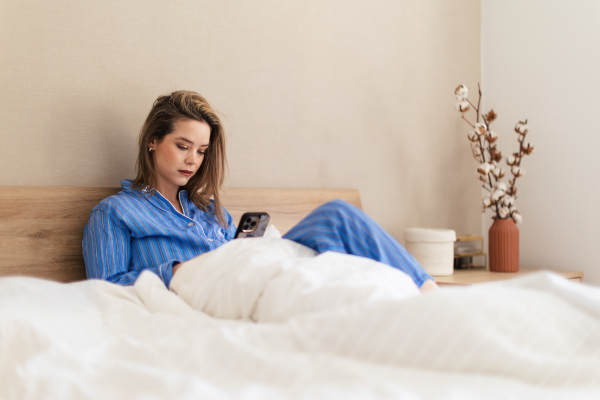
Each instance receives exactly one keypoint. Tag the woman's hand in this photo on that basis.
(429, 285)
(176, 267)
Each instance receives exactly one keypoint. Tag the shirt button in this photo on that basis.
(191, 224)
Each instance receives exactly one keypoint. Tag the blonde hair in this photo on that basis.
(207, 181)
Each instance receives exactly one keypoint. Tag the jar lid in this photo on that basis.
(429, 235)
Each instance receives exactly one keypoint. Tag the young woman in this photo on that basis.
(166, 216)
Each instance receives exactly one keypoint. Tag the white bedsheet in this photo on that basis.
(266, 319)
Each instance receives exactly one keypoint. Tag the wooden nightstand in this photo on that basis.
(473, 276)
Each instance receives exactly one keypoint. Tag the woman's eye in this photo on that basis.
(201, 153)
(182, 148)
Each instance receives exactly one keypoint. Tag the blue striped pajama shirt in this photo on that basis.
(130, 232)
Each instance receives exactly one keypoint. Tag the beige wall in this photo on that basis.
(541, 61)
(314, 94)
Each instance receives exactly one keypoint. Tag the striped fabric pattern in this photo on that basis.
(130, 232)
(341, 227)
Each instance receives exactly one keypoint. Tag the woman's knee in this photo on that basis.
(335, 213)
(337, 207)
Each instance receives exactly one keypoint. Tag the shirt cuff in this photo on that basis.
(421, 278)
(166, 271)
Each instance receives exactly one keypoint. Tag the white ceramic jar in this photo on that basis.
(433, 249)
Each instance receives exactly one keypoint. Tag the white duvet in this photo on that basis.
(267, 319)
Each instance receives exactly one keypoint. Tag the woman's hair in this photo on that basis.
(207, 181)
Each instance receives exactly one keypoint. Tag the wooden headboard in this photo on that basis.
(41, 228)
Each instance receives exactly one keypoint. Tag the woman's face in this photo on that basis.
(179, 156)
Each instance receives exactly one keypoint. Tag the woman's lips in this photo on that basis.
(186, 173)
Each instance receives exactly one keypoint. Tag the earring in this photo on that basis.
(149, 150)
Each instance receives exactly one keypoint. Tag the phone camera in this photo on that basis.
(250, 224)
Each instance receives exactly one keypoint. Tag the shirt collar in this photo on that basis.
(158, 200)
(126, 187)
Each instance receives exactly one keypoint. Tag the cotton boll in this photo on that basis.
(517, 171)
(508, 201)
(501, 186)
(496, 195)
(491, 136)
(486, 201)
(521, 128)
(480, 128)
(517, 218)
(511, 160)
(473, 137)
(491, 116)
(527, 148)
(484, 168)
(462, 106)
(461, 92)
(495, 154)
(503, 212)
(499, 172)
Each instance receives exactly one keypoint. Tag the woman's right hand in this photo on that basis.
(176, 267)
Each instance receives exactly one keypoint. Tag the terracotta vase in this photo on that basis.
(504, 246)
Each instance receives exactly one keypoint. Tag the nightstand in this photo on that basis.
(473, 276)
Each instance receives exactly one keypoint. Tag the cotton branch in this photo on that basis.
(501, 198)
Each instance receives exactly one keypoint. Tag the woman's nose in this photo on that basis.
(193, 159)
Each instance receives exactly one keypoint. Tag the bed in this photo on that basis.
(267, 319)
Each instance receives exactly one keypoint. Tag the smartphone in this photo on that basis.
(252, 224)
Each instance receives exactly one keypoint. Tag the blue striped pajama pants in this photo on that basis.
(339, 226)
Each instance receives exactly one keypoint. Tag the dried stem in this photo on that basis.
(463, 117)
(474, 108)
(478, 101)
(520, 157)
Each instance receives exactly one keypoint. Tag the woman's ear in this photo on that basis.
(151, 143)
